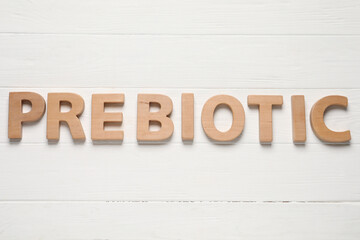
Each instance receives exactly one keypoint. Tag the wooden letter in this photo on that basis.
(265, 103)
(55, 116)
(16, 115)
(187, 116)
(207, 118)
(298, 118)
(318, 124)
(145, 117)
(99, 117)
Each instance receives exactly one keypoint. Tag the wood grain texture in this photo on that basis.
(146, 117)
(99, 117)
(187, 117)
(298, 118)
(336, 119)
(265, 105)
(55, 116)
(317, 119)
(179, 61)
(208, 113)
(138, 220)
(241, 172)
(181, 17)
(17, 117)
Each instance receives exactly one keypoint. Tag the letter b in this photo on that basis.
(145, 117)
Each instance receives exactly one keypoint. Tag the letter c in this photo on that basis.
(318, 124)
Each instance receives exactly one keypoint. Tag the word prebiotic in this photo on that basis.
(145, 117)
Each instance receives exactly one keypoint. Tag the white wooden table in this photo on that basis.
(203, 190)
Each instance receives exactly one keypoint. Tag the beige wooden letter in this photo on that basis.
(298, 118)
(16, 115)
(317, 119)
(145, 117)
(99, 117)
(265, 103)
(207, 118)
(55, 116)
(187, 116)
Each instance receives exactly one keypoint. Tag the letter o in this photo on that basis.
(207, 118)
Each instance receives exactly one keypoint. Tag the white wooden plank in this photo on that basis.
(181, 17)
(336, 119)
(119, 220)
(174, 190)
(243, 172)
(180, 61)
